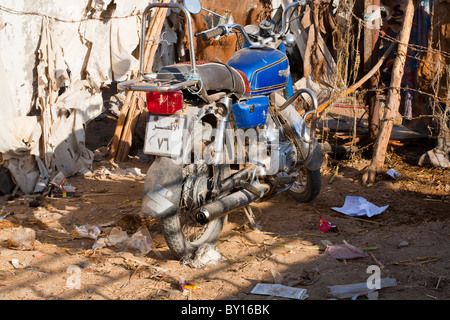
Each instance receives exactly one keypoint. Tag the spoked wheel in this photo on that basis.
(307, 186)
(183, 234)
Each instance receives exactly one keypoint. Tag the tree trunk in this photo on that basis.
(393, 100)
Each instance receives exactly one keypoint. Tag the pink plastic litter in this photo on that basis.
(344, 251)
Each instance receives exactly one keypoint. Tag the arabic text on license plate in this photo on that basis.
(164, 135)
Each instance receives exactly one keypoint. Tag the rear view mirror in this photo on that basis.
(193, 6)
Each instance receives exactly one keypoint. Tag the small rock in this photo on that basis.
(403, 244)
(34, 203)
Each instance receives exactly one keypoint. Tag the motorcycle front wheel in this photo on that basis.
(307, 186)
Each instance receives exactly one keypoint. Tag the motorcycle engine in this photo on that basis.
(283, 158)
(281, 155)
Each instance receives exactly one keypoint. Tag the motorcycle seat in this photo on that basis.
(215, 76)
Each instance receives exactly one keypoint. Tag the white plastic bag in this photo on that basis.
(205, 255)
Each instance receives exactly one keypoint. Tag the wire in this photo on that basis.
(32, 13)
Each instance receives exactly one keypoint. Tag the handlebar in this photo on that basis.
(212, 33)
(227, 29)
(284, 26)
(224, 30)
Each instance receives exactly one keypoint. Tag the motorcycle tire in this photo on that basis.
(307, 187)
(184, 236)
(179, 244)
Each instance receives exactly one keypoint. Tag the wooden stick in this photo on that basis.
(417, 261)
(127, 135)
(156, 26)
(119, 127)
(137, 106)
(125, 132)
(358, 84)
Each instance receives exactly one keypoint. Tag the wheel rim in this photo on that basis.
(193, 231)
(301, 184)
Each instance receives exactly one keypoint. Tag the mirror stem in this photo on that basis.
(226, 19)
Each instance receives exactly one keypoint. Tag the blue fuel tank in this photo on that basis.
(267, 69)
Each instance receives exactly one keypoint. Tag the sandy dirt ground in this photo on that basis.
(409, 241)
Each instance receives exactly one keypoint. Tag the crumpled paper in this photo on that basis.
(358, 206)
(279, 290)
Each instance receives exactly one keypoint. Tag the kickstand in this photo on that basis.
(250, 216)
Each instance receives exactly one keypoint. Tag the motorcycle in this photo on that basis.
(224, 135)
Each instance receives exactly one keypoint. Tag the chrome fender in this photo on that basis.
(308, 145)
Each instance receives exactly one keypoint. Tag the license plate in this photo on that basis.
(164, 135)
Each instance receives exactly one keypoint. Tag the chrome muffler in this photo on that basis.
(221, 207)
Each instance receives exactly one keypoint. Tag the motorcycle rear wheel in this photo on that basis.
(184, 235)
(184, 245)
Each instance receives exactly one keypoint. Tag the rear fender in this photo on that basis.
(164, 180)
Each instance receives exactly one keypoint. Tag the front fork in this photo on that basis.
(224, 106)
(290, 86)
(305, 137)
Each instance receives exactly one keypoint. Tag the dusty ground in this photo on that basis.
(289, 243)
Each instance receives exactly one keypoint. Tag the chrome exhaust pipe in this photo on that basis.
(221, 207)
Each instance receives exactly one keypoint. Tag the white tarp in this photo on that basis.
(47, 44)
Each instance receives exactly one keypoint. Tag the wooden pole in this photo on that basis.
(393, 100)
